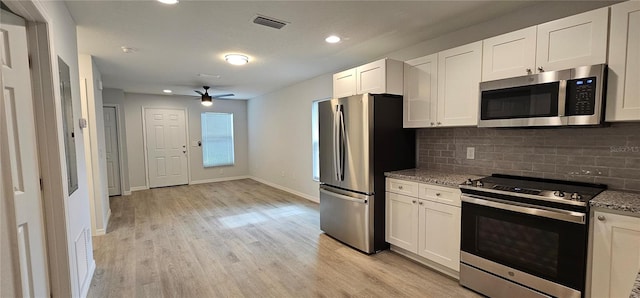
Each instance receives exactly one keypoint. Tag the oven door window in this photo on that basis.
(548, 248)
(540, 100)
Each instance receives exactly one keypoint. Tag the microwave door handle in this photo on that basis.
(562, 98)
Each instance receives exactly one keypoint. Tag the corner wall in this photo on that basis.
(280, 134)
(116, 97)
(94, 143)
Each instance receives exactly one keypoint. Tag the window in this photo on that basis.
(315, 141)
(217, 139)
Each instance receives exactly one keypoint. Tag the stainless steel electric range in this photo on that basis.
(525, 237)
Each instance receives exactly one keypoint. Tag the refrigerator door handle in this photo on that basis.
(343, 141)
(336, 165)
(343, 197)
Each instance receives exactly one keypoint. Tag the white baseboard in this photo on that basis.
(289, 190)
(126, 193)
(219, 179)
(137, 188)
(87, 283)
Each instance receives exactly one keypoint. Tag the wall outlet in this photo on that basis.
(471, 153)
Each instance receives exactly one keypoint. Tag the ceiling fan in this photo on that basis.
(206, 99)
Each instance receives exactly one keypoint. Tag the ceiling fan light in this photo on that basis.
(206, 102)
(168, 1)
(236, 59)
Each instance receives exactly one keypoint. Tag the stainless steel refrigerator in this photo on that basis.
(361, 137)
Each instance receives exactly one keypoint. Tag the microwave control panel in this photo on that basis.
(581, 94)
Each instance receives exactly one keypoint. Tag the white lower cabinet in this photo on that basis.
(615, 254)
(439, 233)
(424, 228)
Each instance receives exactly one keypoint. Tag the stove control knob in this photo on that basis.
(479, 183)
(558, 193)
(575, 196)
(468, 182)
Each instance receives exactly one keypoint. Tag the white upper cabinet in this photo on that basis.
(509, 55)
(459, 74)
(573, 41)
(420, 92)
(382, 76)
(623, 97)
(344, 83)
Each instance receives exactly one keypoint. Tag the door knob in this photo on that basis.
(540, 69)
(601, 217)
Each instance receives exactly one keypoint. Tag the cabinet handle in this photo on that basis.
(601, 217)
(437, 194)
(400, 187)
(528, 70)
(432, 124)
(420, 203)
(438, 123)
(540, 69)
(414, 201)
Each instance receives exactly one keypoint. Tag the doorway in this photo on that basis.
(112, 152)
(166, 147)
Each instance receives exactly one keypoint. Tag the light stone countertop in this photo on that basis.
(431, 177)
(635, 292)
(618, 200)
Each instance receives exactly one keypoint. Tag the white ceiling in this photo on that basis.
(176, 43)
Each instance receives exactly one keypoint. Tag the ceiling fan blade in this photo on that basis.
(199, 92)
(223, 95)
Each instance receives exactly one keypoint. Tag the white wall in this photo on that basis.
(133, 103)
(116, 97)
(280, 134)
(94, 144)
(62, 31)
(280, 122)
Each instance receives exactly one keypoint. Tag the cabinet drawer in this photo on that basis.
(402, 187)
(445, 195)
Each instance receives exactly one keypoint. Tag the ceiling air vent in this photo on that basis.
(269, 22)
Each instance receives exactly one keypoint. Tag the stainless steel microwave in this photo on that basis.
(553, 98)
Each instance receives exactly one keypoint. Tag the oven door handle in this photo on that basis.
(564, 215)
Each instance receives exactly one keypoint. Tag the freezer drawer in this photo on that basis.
(348, 217)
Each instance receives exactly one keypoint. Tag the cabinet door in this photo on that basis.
(616, 254)
(420, 92)
(509, 55)
(623, 98)
(459, 74)
(573, 41)
(344, 83)
(439, 233)
(401, 217)
(371, 78)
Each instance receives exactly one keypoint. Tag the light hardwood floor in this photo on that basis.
(242, 239)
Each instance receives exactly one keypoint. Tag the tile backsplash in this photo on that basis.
(608, 155)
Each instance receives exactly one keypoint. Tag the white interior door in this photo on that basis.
(111, 148)
(166, 140)
(17, 107)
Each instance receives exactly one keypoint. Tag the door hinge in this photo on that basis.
(41, 187)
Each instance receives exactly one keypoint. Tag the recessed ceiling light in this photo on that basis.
(236, 59)
(332, 39)
(167, 91)
(168, 1)
(128, 50)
